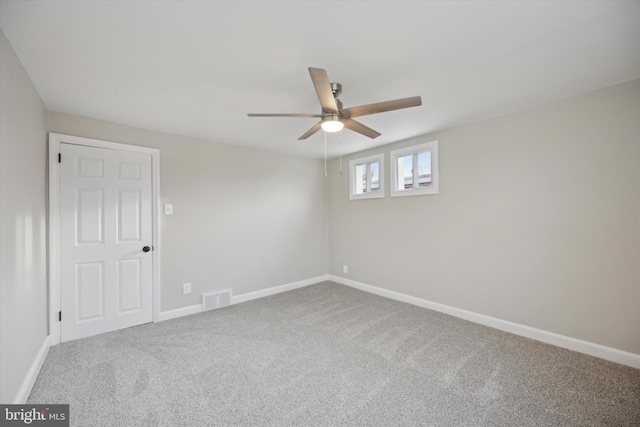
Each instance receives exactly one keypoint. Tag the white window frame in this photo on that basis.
(352, 182)
(416, 149)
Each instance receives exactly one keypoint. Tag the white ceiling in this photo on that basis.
(197, 68)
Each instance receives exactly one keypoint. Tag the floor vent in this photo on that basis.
(214, 300)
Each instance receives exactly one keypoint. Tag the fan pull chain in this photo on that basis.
(325, 154)
(340, 152)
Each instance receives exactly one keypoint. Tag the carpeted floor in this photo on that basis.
(329, 355)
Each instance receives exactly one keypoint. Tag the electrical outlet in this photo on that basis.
(186, 288)
(345, 269)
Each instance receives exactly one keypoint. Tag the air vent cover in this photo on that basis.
(213, 300)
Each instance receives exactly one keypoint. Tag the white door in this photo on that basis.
(106, 278)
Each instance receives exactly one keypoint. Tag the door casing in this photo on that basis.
(55, 140)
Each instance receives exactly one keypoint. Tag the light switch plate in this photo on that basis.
(168, 209)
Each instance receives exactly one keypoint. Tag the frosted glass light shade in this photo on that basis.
(332, 124)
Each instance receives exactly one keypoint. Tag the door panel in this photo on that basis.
(90, 291)
(129, 210)
(88, 167)
(129, 171)
(90, 215)
(129, 286)
(106, 280)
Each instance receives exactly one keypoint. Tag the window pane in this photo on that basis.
(414, 170)
(404, 179)
(361, 179)
(375, 176)
(424, 169)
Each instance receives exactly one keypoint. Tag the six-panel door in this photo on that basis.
(105, 222)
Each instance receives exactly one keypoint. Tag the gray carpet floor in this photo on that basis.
(330, 355)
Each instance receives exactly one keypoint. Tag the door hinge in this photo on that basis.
(59, 316)
(59, 157)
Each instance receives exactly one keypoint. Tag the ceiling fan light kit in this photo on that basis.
(332, 123)
(333, 117)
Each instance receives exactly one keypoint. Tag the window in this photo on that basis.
(414, 170)
(366, 177)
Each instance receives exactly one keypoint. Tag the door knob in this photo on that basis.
(146, 249)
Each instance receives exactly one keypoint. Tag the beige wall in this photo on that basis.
(243, 219)
(23, 265)
(537, 221)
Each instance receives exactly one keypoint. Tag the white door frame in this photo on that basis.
(55, 140)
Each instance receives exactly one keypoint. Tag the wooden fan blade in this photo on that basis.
(323, 89)
(380, 107)
(311, 131)
(284, 115)
(360, 128)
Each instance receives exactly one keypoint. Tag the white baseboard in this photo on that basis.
(32, 375)
(592, 349)
(179, 312)
(237, 299)
(277, 289)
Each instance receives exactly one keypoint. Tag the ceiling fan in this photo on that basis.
(333, 117)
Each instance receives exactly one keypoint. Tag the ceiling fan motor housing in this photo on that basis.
(339, 105)
(336, 88)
